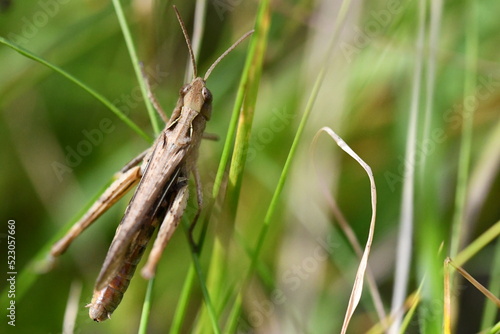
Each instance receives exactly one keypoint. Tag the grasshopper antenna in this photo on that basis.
(188, 41)
(231, 48)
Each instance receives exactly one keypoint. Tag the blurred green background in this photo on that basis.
(307, 267)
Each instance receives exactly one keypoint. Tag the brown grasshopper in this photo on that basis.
(160, 198)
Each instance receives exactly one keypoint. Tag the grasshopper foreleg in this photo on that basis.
(152, 97)
(134, 162)
(210, 136)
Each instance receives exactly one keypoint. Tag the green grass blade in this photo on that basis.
(236, 310)
(244, 109)
(490, 309)
(495, 329)
(146, 308)
(235, 116)
(253, 70)
(249, 87)
(478, 244)
(226, 154)
(409, 317)
(233, 319)
(182, 304)
(471, 41)
(72, 39)
(214, 283)
(206, 296)
(470, 80)
(70, 77)
(407, 209)
(135, 63)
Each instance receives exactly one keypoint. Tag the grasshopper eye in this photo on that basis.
(185, 89)
(207, 96)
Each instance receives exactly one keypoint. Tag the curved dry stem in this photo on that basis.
(357, 288)
(351, 237)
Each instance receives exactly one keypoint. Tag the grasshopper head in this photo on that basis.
(196, 96)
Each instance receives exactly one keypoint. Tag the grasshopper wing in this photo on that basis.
(142, 208)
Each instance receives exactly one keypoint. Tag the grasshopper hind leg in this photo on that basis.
(127, 178)
(167, 227)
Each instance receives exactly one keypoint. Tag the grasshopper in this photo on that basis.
(161, 195)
